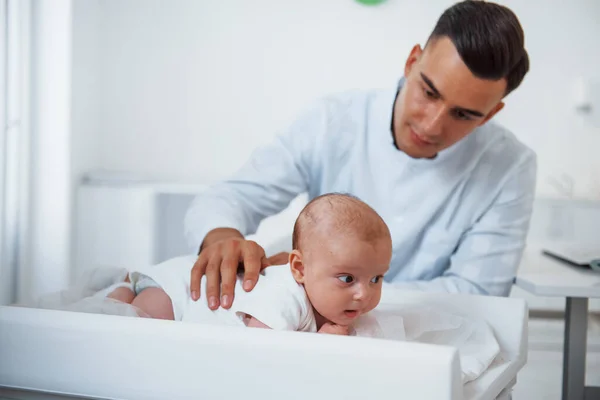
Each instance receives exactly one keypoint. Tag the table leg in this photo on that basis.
(574, 349)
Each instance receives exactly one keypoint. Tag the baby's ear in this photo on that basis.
(297, 266)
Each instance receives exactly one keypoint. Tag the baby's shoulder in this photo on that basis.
(279, 271)
(278, 279)
(280, 275)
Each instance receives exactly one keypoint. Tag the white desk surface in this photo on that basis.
(544, 276)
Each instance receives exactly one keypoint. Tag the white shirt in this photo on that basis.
(458, 222)
(277, 300)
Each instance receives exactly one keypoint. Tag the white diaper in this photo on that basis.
(142, 282)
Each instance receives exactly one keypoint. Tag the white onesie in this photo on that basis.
(277, 300)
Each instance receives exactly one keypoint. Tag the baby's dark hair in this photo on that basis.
(344, 214)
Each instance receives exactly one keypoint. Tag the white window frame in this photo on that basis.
(15, 17)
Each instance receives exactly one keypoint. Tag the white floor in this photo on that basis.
(541, 379)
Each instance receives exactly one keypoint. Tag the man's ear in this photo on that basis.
(413, 57)
(297, 266)
(494, 111)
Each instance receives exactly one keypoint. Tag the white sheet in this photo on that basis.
(430, 323)
(474, 339)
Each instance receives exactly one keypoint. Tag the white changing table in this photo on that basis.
(57, 354)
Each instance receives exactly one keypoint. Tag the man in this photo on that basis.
(455, 189)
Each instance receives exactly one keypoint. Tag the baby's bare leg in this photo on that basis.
(123, 294)
(155, 302)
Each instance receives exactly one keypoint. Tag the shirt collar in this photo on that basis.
(382, 113)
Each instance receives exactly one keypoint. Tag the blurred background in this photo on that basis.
(116, 112)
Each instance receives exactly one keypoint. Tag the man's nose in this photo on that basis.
(434, 120)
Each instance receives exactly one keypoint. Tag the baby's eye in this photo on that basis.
(346, 278)
(376, 279)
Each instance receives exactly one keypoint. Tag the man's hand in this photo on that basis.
(221, 253)
(334, 329)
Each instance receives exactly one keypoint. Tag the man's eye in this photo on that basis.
(376, 279)
(429, 94)
(346, 278)
(461, 115)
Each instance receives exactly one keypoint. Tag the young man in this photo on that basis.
(455, 188)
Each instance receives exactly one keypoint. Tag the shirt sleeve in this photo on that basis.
(488, 255)
(274, 302)
(273, 176)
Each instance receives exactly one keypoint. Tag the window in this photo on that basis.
(14, 75)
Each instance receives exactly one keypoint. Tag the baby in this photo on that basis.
(341, 250)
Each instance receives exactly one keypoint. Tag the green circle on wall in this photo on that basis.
(370, 2)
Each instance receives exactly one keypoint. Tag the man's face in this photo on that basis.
(441, 101)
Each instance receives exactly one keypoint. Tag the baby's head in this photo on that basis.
(342, 249)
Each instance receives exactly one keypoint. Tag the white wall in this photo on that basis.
(185, 89)
(86, 88)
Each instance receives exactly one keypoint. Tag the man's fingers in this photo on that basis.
(213, 271)
(228, 278)
(220, 266)
(252, 258)
(196, 277)
(264, 263)
(279, 258)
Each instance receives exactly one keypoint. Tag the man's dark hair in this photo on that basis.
(489, 39)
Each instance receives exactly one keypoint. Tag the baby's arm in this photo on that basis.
(334, 329)
(252, 322)
(328, 327)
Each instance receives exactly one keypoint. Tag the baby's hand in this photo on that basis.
(334, 329)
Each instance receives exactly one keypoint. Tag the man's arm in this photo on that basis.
(273, 176)
(220, 218)
(489, 254)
